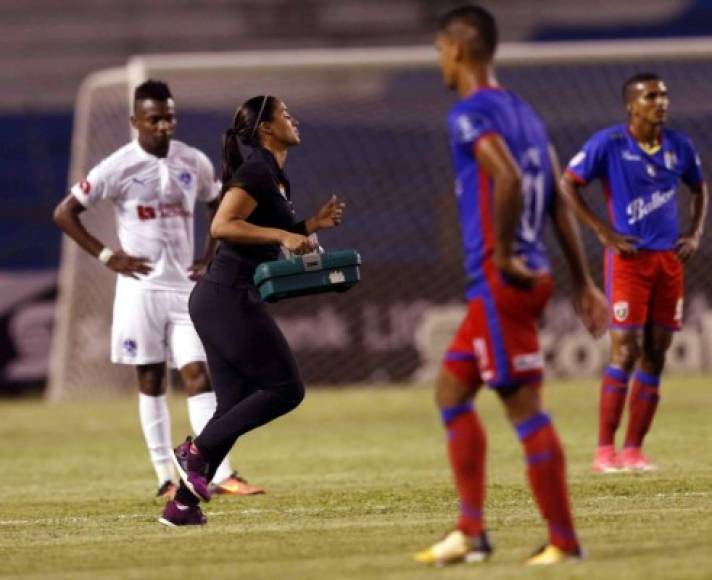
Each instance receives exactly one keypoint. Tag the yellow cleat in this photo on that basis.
(456, 548)
(549, 554)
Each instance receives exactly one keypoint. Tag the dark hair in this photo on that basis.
(641, 77)
(245, 125)
(484, 43)
(154, 90)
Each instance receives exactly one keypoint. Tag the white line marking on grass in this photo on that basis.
(244, 512)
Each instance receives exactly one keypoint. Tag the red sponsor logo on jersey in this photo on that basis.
(164, 210)
(168, 210)
(85, 186)
(146, 212)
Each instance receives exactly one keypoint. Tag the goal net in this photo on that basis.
(373, 132)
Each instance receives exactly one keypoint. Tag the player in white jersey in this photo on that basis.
(154, 183)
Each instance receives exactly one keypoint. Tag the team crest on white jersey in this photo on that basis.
(670, 160)
(678, 310)
(185, 178)
(620, 311)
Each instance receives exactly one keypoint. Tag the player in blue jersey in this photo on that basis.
(506, 185)
(641, 164)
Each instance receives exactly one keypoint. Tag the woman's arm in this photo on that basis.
(230, 224)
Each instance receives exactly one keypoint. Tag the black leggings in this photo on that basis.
(253, 371)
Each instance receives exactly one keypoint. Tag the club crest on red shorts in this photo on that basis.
(620, 311)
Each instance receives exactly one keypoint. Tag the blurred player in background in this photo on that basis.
(154, 183)
(641, 164)
(506, 185)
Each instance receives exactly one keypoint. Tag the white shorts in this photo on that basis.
(153, 326)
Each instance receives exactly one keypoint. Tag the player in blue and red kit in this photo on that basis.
(506, 185)
(641, 165)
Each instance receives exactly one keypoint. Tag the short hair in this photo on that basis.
(642, 77)
(153, 90)
(484, 43)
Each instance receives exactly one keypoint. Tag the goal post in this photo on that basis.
(373, 131)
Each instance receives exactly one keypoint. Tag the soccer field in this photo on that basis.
(357, 482)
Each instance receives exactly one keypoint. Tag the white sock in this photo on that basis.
(156, 425)
(200, 410)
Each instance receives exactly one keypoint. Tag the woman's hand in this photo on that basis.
(329, 215)
(297, 243)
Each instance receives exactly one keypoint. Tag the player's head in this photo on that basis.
(154, 116)
(262, 121)
(645, 98)
(466, 36)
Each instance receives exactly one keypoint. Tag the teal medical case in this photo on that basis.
(308, 274)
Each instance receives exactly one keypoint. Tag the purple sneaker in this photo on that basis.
(193, 470)
(175, 514)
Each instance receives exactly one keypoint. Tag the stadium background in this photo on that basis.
(407, 240)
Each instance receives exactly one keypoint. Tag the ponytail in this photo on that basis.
(245, 130)
(231, 156)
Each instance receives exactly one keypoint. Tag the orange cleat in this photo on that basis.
(235, 485)
(167, 490)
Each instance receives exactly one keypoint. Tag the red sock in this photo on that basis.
(614, 388)
(643, 403)
(467, 443)
(546, 469)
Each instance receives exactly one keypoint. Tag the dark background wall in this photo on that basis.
(46, 48)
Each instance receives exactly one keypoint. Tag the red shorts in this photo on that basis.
(645, 289)
(498, 342)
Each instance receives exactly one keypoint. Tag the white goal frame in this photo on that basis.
(139, 68)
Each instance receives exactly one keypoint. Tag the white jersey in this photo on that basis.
(154, 199)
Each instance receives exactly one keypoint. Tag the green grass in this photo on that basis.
(357, 481)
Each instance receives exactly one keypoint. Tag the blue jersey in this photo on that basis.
(640, 187)
(496, 111)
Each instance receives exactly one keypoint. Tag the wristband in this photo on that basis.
(105, 255)
(300, 228)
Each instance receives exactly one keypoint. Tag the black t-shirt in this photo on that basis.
(266, 183)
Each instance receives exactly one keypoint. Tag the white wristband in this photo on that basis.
(105, 255)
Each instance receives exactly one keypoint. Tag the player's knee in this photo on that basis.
(626, 353)
(653, 361)
(195, 379)
(450, 392)
(150, 380)
(197, 384)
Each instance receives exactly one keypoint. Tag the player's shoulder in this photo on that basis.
(677, 137)
(123, 153)
(470, 117)
(184, 151)
(615, 135)
(116, 162)
(481, 101)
